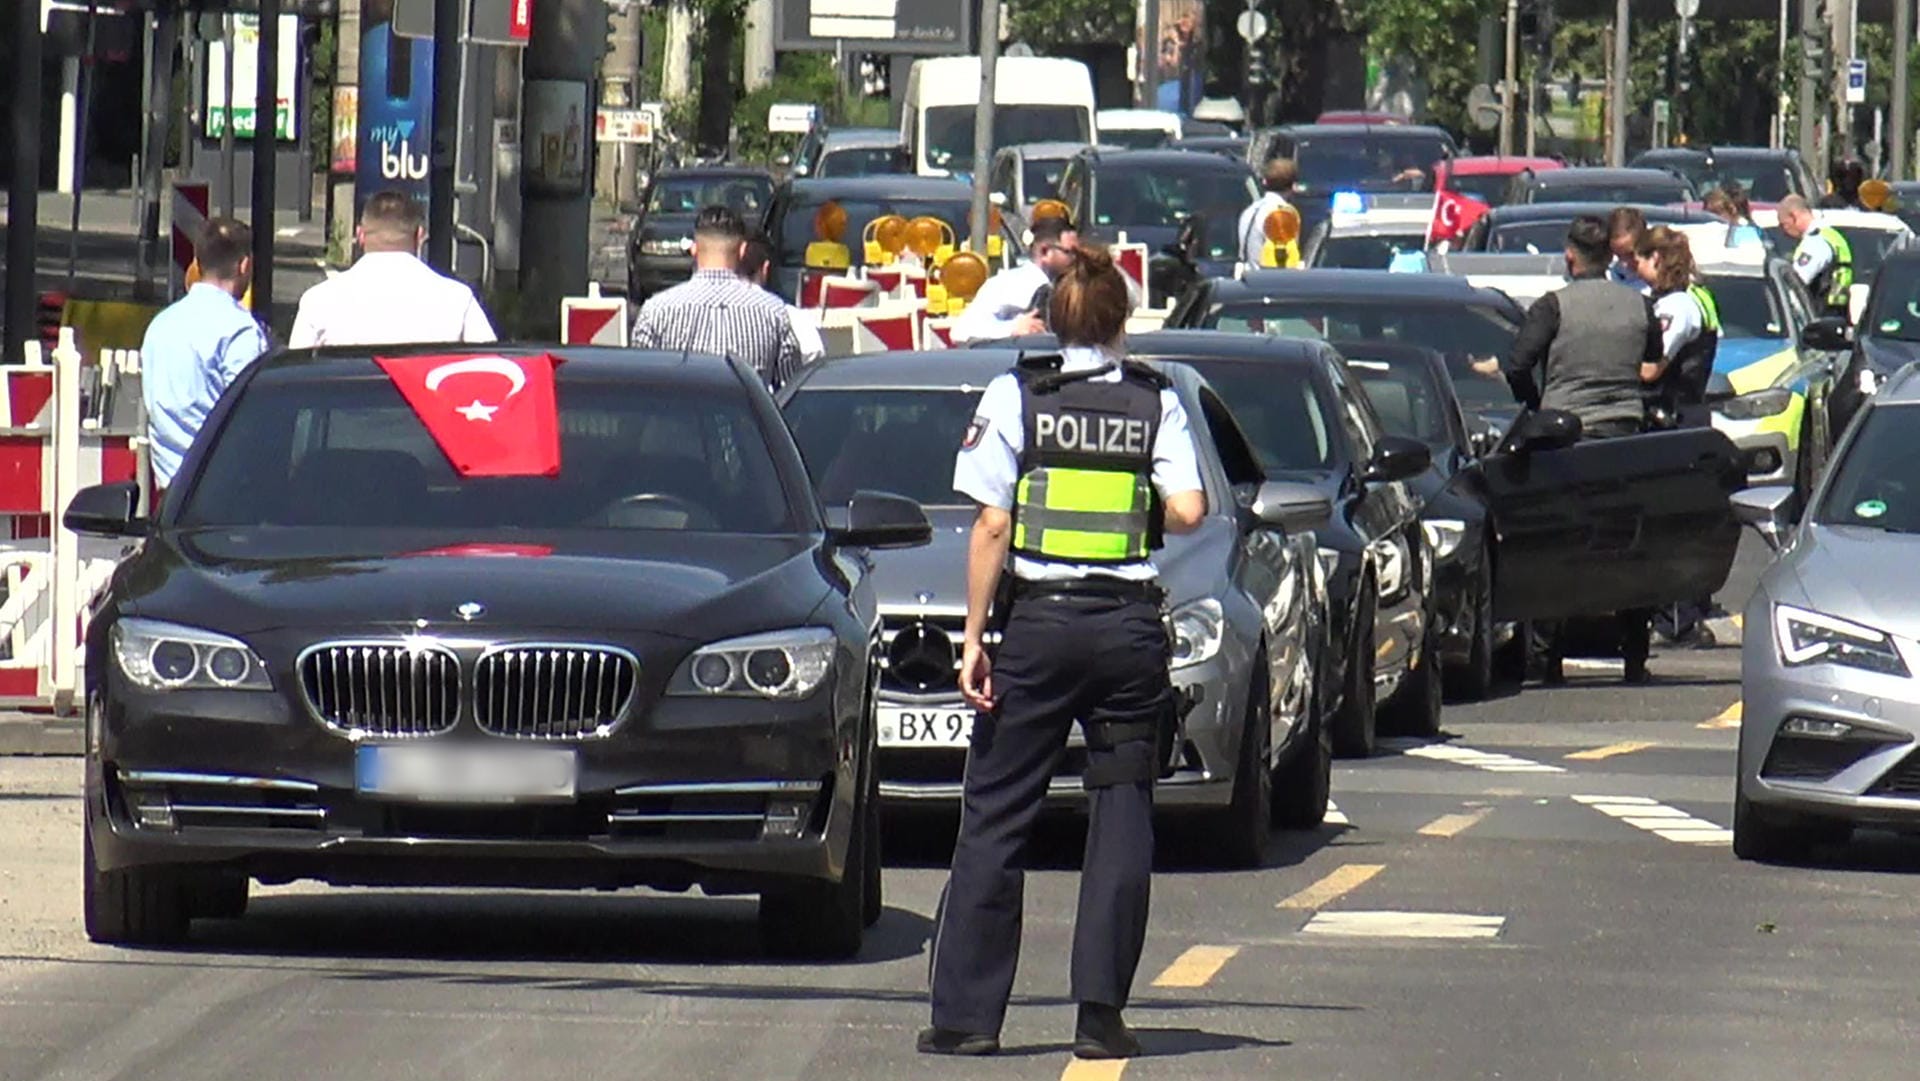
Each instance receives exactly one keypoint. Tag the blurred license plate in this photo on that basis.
(900, 727)
(466, 774)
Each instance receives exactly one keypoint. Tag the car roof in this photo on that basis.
(891, 186)
(1375, 220)
(679, 172)
(578, 361)
(1587, 173)
(1387, 131)
(1494, 165)
(1520, 212)
(1329, 284)
(1045, 151)
(859, 137)
(1170, 159)
(944, 369)
(1146, 119)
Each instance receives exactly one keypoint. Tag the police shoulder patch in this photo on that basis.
(975, 429)
(1802, 259)
(1666, 323)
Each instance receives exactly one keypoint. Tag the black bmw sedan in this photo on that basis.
(646, 661)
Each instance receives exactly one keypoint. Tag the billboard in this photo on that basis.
(245, 52)
(1180, 68)
(394, 142)
(920, 27)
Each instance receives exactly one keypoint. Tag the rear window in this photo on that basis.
(1649, 191)
(1278, 410)
(688, 194)
(1375, 161)
(899, 441)
(793, 228)
(1366, 252)
(862, 161)
(350, 453)
(1406, 397)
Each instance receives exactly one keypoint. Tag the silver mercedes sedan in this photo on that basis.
(1831, 717)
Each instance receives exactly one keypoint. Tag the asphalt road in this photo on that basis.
(1545, 893)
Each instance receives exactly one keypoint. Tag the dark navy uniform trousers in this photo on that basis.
(1062, 657)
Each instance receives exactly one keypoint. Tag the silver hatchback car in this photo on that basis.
(1830, 736)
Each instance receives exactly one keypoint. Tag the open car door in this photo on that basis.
(1594, 527)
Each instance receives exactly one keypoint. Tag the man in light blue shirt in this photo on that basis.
(197, 347)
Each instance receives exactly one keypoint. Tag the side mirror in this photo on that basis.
(1295, 508)
(1545, 429)
(1768, 510)
(878, 520)
(1830, 334)
(106, 510)
(1397, 458)
(998, 198)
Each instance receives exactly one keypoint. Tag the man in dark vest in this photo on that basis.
(1580, 350)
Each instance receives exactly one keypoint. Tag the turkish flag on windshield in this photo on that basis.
(493, 416)
(1453, 215)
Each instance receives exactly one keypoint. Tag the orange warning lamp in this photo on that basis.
(962, 276)
(1282, 225)
(926, 236)
(826, 252)
(885, 238)
(1049, 208)
(1873, 193)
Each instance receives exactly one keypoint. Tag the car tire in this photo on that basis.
(1240, 831)
(1355, 728)
(1473, 681)
(1414, 709)
(821, 920)
(1303, 785)
(218, 894)
(1756, 837)
(134, 906)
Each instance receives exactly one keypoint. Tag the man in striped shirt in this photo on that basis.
(718, 311)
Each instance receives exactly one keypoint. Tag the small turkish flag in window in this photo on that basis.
(493, 416)
(1453, 215)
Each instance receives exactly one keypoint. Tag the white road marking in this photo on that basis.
(1664, 822)
(1404, 925)
(1335, 816)
(1490, 761)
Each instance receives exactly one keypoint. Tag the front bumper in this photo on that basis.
(1769, 446)
(723, 794)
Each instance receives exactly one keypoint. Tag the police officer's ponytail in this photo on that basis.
(1090, 301)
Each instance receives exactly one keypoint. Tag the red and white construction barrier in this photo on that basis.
(189, 210)
(594, 319)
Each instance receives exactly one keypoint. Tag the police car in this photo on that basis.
(1378, 232)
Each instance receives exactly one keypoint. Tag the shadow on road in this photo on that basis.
(924, 839)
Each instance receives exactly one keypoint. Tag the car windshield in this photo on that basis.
(794, 228)
(861, 161)
(1529, 237)
(899, 441)
(1366, 252)
(687, 194)
(1134, 138)
(1895, 311)
(1874, 485)
(949, 130)
(1749, 306)
(1870, 247)
(1041, 177)
(1462, 333)
(1600, 191)
(1369, 162)
(1278, 411)
(1406, 395)
(1489, 188)
(1137, 197)
(1763, 180)
(349, 452)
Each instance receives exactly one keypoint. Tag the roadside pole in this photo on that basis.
(448, 25)
(266, 150)
(1902, 123)
(1809, 92)
(1622, 65)
(23, 196)
(983, 122)
(226, 124)
(1509, 81)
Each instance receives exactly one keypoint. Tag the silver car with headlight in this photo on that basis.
(1830, 735)
(1246, 597)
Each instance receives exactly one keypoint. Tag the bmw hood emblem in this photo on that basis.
(470, 611)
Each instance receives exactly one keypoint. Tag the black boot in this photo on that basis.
(952, 1041)
(1100, 1033)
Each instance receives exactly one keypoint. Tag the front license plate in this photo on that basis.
(453, 774)
(903, 727)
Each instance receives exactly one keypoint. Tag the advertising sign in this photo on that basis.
(921, 27)
(1181, 52)
(246, 79)
(623, 125)
(346, 125)
(394, 137)
(557, 140)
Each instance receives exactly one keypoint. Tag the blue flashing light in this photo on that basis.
(1349, 202)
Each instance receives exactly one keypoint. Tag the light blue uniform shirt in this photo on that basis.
(988, 468)
(192, 351)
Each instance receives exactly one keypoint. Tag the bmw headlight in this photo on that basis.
(1391, 563)
(784, 665)
(662, 246)
(1761, 403)
(1198, 627)
(1812, 638)
(168, 657)
(1443, 535)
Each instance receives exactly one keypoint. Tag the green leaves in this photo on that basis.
(1058, 22)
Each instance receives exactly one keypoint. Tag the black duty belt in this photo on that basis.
(1081, 588)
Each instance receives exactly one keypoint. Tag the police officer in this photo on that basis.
(1277, 181)
(1589, 340)
(1013, 302)
(1823, 260)
(1077, 462)
(1689, 327)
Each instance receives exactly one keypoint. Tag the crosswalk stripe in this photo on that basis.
(1490, 761)
(1335, 816)
(1404, 925)
(1195, 967)
(1664, 822)
(1331, 888)
(1085, 1069)
(1728, 718)
(1611, 750)
(1454, 824)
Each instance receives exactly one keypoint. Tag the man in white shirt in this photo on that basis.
(1278, 180)
(389, 297)
(1013, 302)
(755, 264)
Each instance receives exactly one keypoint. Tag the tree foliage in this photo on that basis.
(1057, 22)
(1440, 37)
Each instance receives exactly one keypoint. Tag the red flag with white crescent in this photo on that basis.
(492, 415)
(1453, 215)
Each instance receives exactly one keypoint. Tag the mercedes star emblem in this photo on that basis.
(471, 611)
(922, 657)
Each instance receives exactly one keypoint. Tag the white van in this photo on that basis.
(1138, 129)
(1036, 100)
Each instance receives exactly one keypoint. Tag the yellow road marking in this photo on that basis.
(1729, 718)
(1332, 887)
(1196, 966)
(1099, 1069)
(1611, 749)
(1449, 825)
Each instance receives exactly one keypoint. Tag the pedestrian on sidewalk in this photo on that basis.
(719, 312)
(389, 297)
(197, 346)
